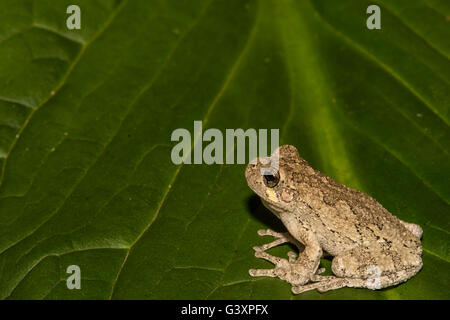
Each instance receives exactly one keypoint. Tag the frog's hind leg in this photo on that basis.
(378, 259)
(377, 266)
(374, 282)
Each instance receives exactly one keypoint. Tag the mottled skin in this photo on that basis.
(371, 247)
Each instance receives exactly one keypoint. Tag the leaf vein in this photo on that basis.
(60, 84)
(384, 66)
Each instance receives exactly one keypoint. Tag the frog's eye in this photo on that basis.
(271, 180)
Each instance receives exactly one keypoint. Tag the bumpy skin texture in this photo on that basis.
(371, 247)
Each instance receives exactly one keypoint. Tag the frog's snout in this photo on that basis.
(252, 174)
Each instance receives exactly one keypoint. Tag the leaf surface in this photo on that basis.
(86, 118)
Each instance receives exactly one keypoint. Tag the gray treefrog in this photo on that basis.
(371, 248)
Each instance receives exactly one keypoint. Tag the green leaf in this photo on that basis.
(86, 118)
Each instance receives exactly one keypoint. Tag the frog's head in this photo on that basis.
(276, 184)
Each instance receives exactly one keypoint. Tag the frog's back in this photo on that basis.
(369, 216)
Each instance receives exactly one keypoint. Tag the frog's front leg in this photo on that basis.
(295, 271)
(281, 265)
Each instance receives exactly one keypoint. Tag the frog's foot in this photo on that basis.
(284, 269)
(281, 238)
(281, 265)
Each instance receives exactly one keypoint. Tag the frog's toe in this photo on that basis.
(265, 232)
(304, 288)
(320, 270)
(275, 260)
(292, 256)
(278, 235)
(262, 272)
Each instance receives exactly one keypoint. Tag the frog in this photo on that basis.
(368, 246)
